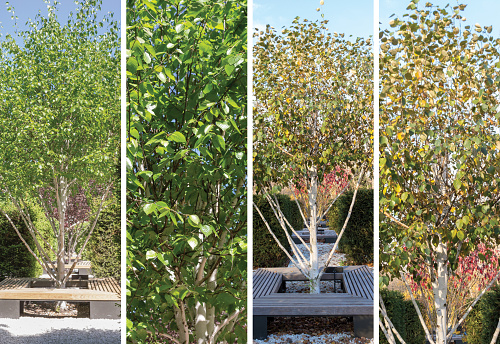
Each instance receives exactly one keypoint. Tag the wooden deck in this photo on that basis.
(357, 301)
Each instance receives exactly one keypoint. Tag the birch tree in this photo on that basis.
(186, 171)
(60, 118)
(440, 144)
(313, 114)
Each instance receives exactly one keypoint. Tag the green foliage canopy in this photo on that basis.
(60, 89)
(314, 101)
(186, 169)
(439, 140)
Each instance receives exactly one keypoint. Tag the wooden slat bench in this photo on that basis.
(84, 267)
(103, 296)
(15, 283)
(323, 235)
(266, 282)
(356, 302)
(359, 281)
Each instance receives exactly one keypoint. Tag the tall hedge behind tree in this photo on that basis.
(357, 242)
(404, 316)
(104, 249)
(15, 259)
(483, 319)
(266, 253)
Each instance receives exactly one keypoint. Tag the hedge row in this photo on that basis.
(357, 240)
(404, 317)
(266, 252)
(104, 246)
(15, 259)
(482, 321)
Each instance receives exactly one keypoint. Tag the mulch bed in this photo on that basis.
(312, 325)
(49, 309)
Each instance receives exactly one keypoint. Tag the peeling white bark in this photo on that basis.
(314, 281)
(440, 290)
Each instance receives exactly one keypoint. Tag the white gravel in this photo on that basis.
(33, 330)
(323, 253)
(305, 338)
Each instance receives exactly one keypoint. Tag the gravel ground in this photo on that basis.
(337, 338)
(31, 330)
(323, 252)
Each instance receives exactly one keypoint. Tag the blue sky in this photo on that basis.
(25, 9)
(354, 17)
(483, 12)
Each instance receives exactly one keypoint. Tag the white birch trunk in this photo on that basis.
(440, 290)
(179, 320)
(201, 322)
(314, 276)
(62, 196)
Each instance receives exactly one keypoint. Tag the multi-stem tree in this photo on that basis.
(440, 152)
(60, 113)
(329, 188)
(312, 115)
(186, 171)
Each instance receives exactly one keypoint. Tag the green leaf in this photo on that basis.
(149, 208)
(219, 142)
(179, 28)
(177, 137)
(206, 230)
(229, 69)
(130, 324)
(169, 74)
(162, 77)
(132, 65)
(194, 219)
(193, 242)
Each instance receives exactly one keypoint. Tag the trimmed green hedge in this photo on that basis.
(104, 246)
(266, 252)
(482, 321)
(357, 241)
(15, 259)
(404, 317)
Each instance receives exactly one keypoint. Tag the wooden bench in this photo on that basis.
(323, 235)
(84, 268)
(356, 302)
(15, 283)
(266, 282)
(102, 294)
(359, 282)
